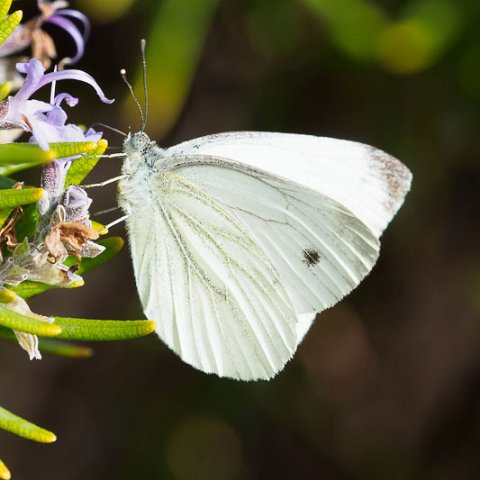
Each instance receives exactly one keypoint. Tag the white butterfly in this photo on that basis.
(239, 239)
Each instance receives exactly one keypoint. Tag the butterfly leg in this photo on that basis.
(117, 221)
(109, 155)
(106, 182)
(107, 210)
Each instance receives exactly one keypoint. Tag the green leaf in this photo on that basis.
(19, 426)
(20, 153)
(6, 182)
(22, 323)
(98, 227)
(18, 156)
(7, 334)
(4, 472)
(27, 223)
(103, 330)
(112, 246)
(64, 349)
(89, 330)
(5, 90)
(70, 149)
(52, 346)
(4, 8)
(4, 214)
(9, 24)
(81, 167)
(29, 289)
(6, 296)
(23, 196)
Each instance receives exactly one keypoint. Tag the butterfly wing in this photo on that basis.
(316, 206)
(246, 236)
(320, 250)
(217, 300)
(365, 180)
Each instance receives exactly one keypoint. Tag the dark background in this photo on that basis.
(386, 385)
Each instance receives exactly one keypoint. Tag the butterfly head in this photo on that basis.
(137, 142)
(142, 155)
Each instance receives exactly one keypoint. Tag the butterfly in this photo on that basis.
(239, 239)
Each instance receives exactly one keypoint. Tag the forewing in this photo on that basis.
(319, 248)
(217, 300)
(366, 181)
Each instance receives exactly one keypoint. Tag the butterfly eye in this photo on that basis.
(137, 142)
(143, 140)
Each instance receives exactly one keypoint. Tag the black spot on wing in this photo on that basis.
(310, 257)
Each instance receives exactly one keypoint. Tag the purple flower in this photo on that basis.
(46, 121)
(61, 18)
(43, 47)
(52, 127)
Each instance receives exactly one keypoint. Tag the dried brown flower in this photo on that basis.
(68, 238)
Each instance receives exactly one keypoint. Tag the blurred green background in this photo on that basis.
(387, 384)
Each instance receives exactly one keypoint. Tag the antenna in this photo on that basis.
(123, 73)
(143, 43)
(116, 130)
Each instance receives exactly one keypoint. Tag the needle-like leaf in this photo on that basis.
(5, 90)
(23, 196)
(9, 24)
(89, 330)
(18, 156)
(17, 425)
(29, 289)
(22, 323)
(4, 214)
(27, 223)
(6, 296)
(70, 149)
(81, 167)
(103, 330)
(4, 472)
(52, 346)
(98, 227)
(6, 182)
(64, 349)
(4, 8)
